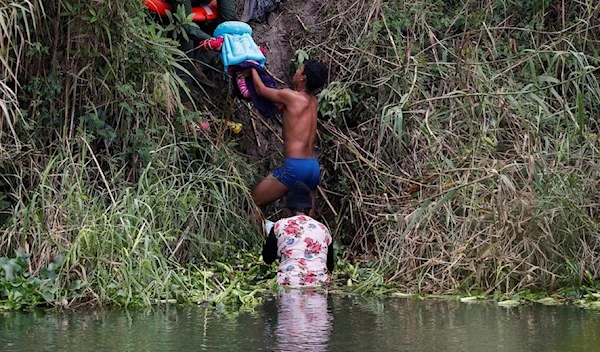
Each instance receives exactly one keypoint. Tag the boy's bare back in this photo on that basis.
(300, 125)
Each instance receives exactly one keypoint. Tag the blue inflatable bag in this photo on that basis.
(238, 45)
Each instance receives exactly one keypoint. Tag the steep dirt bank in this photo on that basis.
(285, 27)
(283, 30)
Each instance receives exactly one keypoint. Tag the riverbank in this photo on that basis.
(241, 283)
(458, 144)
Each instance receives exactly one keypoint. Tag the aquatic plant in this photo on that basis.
(20, 288)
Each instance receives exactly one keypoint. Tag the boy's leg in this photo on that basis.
(268, 190)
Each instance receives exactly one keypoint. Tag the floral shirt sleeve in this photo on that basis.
(302, 244)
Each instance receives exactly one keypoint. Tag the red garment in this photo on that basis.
(211, 44)
(217, 44)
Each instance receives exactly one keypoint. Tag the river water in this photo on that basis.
(309, 322)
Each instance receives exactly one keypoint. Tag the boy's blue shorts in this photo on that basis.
(304, 170)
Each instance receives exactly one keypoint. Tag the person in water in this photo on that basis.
(304, 245)
(299, 132)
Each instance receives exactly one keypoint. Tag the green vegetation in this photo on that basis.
(463, 138)
(460, 146)
(98, 167)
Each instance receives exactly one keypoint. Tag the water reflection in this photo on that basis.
(309, 321)
(303, 321)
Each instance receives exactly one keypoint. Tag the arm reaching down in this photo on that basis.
(284, 96)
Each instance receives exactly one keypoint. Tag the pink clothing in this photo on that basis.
(302, 246)
(303, 321)
(211, 44)
(241, 83)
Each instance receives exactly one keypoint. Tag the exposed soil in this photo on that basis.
(281, 30)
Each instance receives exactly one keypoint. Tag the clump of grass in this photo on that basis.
(108, 176)
(130, 243)
(17, 21)
(462, 148)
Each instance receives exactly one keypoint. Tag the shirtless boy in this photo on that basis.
(299, 133)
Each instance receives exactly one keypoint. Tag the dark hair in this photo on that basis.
(298, 197)
(294, 211)
(316, 74)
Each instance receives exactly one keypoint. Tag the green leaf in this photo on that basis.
(508, 182)
(48, 296)
(549, 79)
(8, 272)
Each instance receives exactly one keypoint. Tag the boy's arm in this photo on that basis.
(284, 96)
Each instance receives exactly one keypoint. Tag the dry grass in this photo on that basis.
(99, 167)
(16, 23)
(461, 144)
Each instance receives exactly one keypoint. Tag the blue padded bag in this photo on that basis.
(238, 45)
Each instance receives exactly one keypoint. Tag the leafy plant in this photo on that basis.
(19, 289)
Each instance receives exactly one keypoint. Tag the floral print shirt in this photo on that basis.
(302, 246)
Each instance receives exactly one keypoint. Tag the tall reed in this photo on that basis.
(462, 148)
(103, 175)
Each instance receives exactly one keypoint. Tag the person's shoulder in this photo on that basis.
(292, 219)
(279, 224)
(289, 96)
(299, 96)
(292, 92)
